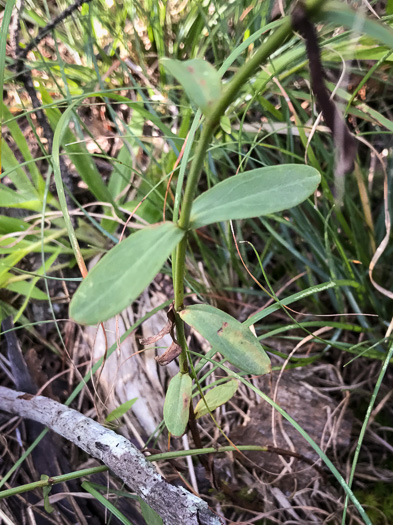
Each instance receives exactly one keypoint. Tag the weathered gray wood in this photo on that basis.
(175, 505)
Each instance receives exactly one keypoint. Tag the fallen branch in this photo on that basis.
(175, 505)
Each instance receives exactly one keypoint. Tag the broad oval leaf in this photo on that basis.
(199, 78)
(216, 397)
(123, 273)
(177, 404)
(255, 193)
(229, 337)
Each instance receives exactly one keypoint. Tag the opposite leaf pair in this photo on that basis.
(123, 273)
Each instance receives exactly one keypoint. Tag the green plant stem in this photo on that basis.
(241, 77)
(95, 470)
(52, 481)
(239, 80)
(229, 95)
(210, 450)
(181, 339)
(180, 268)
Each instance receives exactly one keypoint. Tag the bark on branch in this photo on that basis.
(175, 505)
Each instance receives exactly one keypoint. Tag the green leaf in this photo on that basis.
(124, 165)
(121, 174)
(123, 273)
(29, 292)
(177, 404)
(12, 199)
(150, 516)
(216, 397)
(16, 174)
(46, 491)
(23, 147)
(90, 487)
(11, 225)
(229, 337)
(23, 248)
(200, 80)
(5, 22)
(298, 296)
(225, 124)
(120, 410)
(28, 289)
(340, 14)
(255, 193)
(148, 210)
(76, 150)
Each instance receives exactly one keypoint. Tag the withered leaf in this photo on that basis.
(167, 329)
(169, 355)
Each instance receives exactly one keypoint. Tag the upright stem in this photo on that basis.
(229, 95)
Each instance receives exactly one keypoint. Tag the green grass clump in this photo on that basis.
(378, 500)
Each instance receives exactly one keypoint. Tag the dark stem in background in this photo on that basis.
(344, 141)
(22, 53)
(20, 372)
